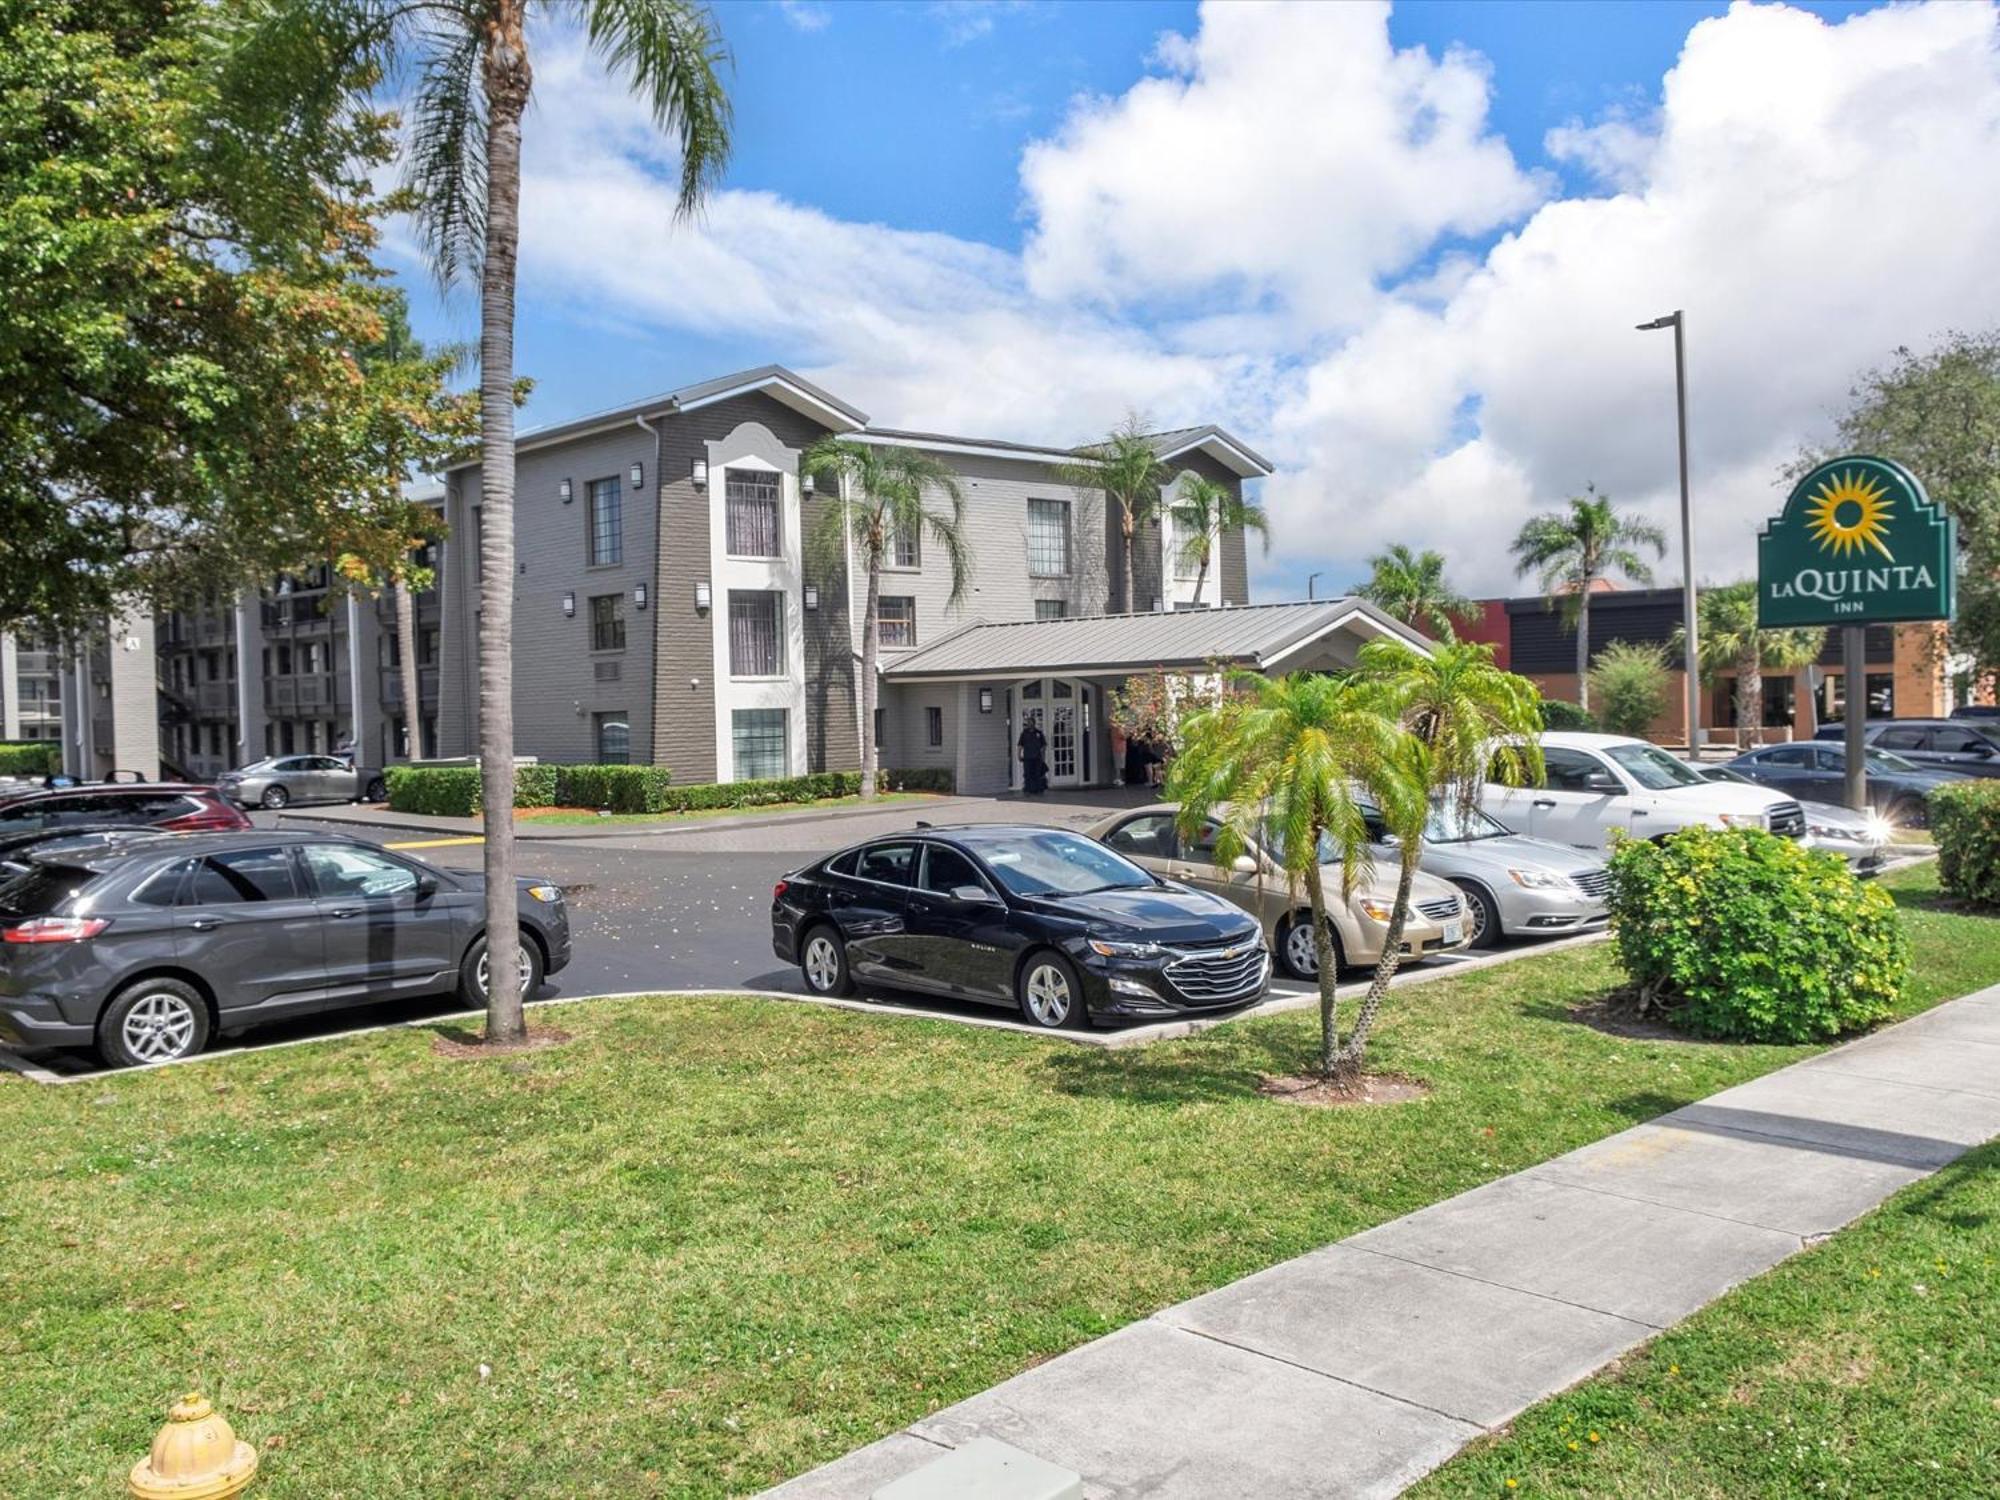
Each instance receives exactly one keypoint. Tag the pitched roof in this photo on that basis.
(1261, 636)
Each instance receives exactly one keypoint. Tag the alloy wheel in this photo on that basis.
(1049, 997)
(1301, 952)
(822, 962)
(524, 965)
(1475, 920)
(158, 1027)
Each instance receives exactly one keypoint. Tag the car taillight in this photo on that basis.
(55, 929)
(208, 818)
(778, 890)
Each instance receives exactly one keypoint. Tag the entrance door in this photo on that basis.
(1062, 734)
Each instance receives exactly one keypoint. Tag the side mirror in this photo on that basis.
(1243, 864)
(973, 895)
(427, 886)
(1601, 781)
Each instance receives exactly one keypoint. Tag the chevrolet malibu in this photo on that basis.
(145, 945)
(1049, 922)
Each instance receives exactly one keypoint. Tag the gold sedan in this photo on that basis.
(1437, 922)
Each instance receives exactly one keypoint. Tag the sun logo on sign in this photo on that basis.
(1849, 513)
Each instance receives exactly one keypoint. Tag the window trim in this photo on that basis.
(784, 714)
(1066, 509)
(777, 514)
(778, 633)
(880, 639)
(617, 620)
(590, 528)
(933, 727)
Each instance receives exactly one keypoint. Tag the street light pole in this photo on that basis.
(1677, 321)
(1311, 579)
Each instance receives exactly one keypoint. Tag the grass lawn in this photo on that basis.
(585, 815)
(709, 1243)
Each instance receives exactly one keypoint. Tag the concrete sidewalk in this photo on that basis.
(1358, 1368)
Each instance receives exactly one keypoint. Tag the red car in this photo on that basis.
(181, 807)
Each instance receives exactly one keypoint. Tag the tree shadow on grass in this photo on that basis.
(1187, 1075)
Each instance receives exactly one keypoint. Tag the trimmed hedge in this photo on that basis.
(1965, 826)
(30, 758)
(1744, 935)
(453, 791)
(1560, 713)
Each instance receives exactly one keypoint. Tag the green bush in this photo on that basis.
(919, 779)
(30, 758)
(1560, 713)
(1744, 935)
(1629, 686)
(453, 791)
(441, 791)
(536, 785)
(624, 789)
(1965, 825)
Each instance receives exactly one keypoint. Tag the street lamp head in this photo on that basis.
(1668, 321)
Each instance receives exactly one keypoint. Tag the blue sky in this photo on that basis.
(899, 130)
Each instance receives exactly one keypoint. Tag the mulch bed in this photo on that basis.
(470, 1044)
(1319, 1093)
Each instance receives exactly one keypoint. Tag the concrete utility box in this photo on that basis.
(985, 1469)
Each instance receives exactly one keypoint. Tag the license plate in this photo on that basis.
(1454, 932)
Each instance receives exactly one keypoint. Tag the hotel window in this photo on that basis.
(897, 615)
(427, 647)
(751, 496)
(903, 550)
(613, 733)
(1052, 609)
(1048, 538)
(1186, 561)
(934, 727)
(756, 634)
(607, 522)
(759, 736)
(607, 622)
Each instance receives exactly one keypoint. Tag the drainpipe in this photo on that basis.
(653, 583)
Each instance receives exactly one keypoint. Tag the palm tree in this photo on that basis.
(1128, 470)
(1464, 722)
(877, 495)
(1411, 586)
(1731, 640)
(1572, 550)
(1201, 511)
(474, 79)
(1280, 763)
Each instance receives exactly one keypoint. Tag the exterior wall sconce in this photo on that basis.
(806, 483)
(812, 596)
(563, 489)
(638, 475)
(986, 700)
(700, 474)
(639, 595)
(569, 605)
(703, 596)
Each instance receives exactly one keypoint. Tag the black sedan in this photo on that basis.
(1813, 770)
(145, 944)
(1050, 922)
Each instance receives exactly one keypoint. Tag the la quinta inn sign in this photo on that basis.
(1858, 543)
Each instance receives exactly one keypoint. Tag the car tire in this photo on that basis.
(1296, 954)
(151, 1021)
(1483, 915)
(472, 971)
(823, 961)
(376, 791)
(274, 798)
(1049, 993)
(1908, 812)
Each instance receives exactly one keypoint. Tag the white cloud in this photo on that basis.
(1274, 234)
(805, 15)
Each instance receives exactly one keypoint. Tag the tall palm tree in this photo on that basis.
(1731, 641)
(474, 80)
(1126, 467)
(1280, 763)
(1411, 586)
(1572, 550)
(877, 494)
(1201, 511)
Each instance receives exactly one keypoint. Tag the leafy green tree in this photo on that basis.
(1202, 511)
(1412, 587)
(1127, 468)
(194, 388)
(1938, 414)
(1631, 686)
(1730, 641)
(877, 494)
(1570, 551)
(474, 80)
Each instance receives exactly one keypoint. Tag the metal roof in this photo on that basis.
(1251, 635)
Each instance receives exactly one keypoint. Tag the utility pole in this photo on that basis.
(1677, 321)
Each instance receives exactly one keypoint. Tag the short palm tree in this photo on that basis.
(1570, 551)
(878, 493)
(1202, 511)
(1731, 641)
(1127, 468)
(1411, 586)
(1280, 763)
(473, 83)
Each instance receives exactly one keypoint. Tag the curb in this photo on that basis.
(525, 830)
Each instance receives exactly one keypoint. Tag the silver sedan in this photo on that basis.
(1515, 886)
(286, 779)
(1860, 838)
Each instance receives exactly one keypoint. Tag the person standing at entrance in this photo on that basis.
(1034, 747)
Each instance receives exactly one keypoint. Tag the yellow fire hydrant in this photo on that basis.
(196, 1457)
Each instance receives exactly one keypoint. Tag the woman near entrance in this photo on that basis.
(1034, 760)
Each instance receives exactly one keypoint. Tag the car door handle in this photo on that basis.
(1544, 802)
(347, 911)
(204, 924)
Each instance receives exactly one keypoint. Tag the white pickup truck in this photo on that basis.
(1598, 784)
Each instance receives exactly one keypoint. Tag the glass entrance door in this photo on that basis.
(1051, 704)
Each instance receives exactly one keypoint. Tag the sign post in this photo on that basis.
(1858, 544)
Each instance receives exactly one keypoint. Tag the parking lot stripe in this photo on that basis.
(436, 843)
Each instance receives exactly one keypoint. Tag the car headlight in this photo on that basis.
(1377, 911)
(1105, 949)
(1539, 880)
(1743, 820)
(546, 894)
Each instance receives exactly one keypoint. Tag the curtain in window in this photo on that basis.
(752, 501)
(755, 644)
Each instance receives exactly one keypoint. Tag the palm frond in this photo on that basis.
(672, 52)
(447, 167)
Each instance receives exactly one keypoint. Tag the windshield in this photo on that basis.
(1723, 773)
(1653, 768)
(1877, 760)
(1451, 824)
(1059, 864)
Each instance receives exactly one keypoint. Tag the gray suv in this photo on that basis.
(143, 945)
